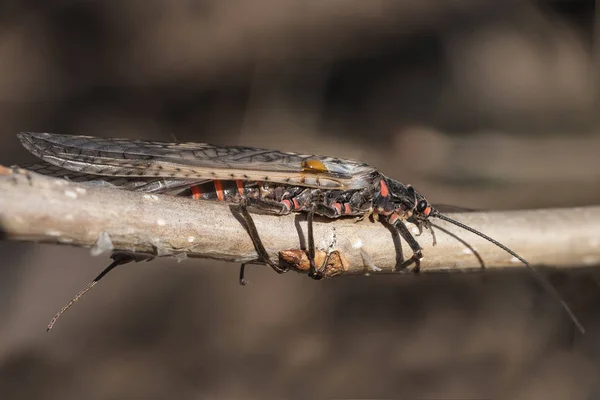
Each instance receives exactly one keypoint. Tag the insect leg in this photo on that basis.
(274, 207)
(425, 224)
(243, 282)
(327, 211)
(271, 206)
(280, 208)
(313, 273)
(263, 255)
(414, 245)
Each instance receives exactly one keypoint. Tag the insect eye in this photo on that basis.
(422, 206)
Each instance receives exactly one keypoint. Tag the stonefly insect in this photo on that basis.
(268, 180)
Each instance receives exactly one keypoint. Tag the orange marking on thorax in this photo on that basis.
(427, 211)
(196, 192)
(384, 189)
(219, 189)
(240, 186)
(314, 166)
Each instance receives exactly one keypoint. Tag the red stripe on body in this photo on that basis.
(287, 204)
(196, 192)
(338, 207)
(240, 187)
(219, 190)
(347, 209)
(384, 189)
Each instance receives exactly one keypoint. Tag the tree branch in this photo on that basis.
(38, 208)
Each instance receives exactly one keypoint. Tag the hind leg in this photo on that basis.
(263, 255)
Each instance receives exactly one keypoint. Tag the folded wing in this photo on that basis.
(194, 161)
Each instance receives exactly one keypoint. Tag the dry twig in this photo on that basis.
(43, 209)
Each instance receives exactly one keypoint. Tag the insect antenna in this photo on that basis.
(118, 258)
(533, 270)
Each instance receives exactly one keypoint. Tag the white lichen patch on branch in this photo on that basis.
(329, 242)
(60, 182)
(357, 244)
(103, 244)
(71, 194)
(368, 261)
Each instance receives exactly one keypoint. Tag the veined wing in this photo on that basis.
(149, 185)
(194, 161)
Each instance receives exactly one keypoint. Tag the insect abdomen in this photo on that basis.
(223, 190)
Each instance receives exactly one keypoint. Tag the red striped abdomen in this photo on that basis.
(294, 198)
(230, 190)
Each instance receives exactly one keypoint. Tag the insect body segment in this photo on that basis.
(270, 180)
(292, 198)
(219, 190)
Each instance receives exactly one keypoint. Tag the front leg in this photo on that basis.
(414, 245)
(424, 224)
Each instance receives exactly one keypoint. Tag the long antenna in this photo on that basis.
(533, 270)
(118, 258)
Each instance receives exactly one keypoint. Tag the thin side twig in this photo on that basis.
(37, 208)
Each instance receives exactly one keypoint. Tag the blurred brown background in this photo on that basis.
(480, 104)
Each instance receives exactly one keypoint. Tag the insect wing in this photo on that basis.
(194, 161)
(149, 185)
